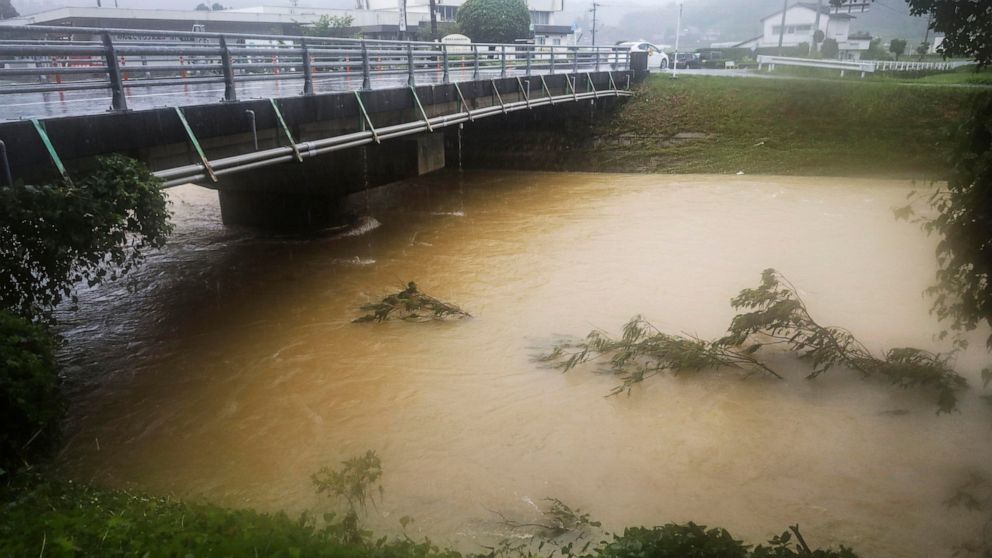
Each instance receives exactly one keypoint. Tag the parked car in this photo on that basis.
(688, 60)
(656, 57)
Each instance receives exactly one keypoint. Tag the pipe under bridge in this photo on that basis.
(269, 121)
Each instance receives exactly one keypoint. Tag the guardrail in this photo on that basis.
(842, 65)
(43, 59)
(863, 66)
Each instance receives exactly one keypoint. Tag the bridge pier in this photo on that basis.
(306, 195)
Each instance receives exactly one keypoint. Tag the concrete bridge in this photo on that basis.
(281, 126)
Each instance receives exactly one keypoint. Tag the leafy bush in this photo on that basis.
(53, 236)
(494, 21)
(411, 305)
(30, 401)
(830, 48)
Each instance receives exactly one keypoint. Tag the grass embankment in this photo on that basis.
(698, 124)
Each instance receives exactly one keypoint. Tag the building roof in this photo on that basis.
(812, 7)
(361, 17)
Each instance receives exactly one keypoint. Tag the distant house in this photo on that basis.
(800, 22)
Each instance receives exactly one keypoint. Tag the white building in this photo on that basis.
(800, 24)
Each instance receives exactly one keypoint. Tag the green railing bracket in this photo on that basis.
(471, 117)
(285, 129)
(196, 145)
(498, 97)
(40, 127)
(523, 91)
(365, 114)
(547, 91)
(613, 85)
(423, 113)
(590, 84)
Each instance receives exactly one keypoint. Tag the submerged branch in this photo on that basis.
(411, 305)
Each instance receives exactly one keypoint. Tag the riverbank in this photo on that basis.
(726, 125)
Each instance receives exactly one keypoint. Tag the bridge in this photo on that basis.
(273, 122)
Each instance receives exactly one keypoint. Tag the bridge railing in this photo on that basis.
(45, 59)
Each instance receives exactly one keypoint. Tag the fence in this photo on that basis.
(40, 59)
(863, 66)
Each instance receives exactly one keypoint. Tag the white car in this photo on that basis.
(656, 57)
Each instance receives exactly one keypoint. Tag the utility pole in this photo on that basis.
(926, 37)
(433, 7)
(594, 6)
(816, 27)
(781, 30)
(678, 30)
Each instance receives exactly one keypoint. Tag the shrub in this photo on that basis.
(56, 235)
(494, 21)
(30, 401)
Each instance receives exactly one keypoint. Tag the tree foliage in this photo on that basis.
(966, 26)
(53, 236)
(329, 26)
(494, 21)
(30, 401)
(7, 10)
(411, 305)
(962, 293)
(771, 314)
(897, 47)
(830, 48)
(201, 7)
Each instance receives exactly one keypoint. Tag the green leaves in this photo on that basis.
(54, 236)
(772, 313)
(352, 481)
(411, 305)
(494, 21)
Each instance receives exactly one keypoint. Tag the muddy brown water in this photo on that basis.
(228, 370)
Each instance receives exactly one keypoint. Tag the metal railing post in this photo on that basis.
(475, 55)
(596, 51)
(530, 54)
(445, 77)
(366, 70)
(114, 73)
(575, 60)
(551, 69)
(307, 69)
(230, 94)
(502, 61)
(410, 79)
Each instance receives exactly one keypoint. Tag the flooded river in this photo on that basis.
(229, 370)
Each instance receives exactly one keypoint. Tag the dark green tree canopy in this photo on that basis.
(829, 48)
(494, 21)
(966, 25)
(7, 10)
(202, 7)
(897, 47)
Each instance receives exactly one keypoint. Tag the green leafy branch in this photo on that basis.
(771, 314)
(410, 305)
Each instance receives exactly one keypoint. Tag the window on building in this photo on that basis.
(556, 42)
(540, 18)
(540, 40)
(446, 13)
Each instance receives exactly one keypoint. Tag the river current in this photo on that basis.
(227, 368)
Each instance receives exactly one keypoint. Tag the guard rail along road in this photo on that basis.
(862, 66)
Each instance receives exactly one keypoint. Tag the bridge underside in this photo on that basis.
(286, 163)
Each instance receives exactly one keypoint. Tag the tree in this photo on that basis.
(56, 235)
(329, 26)
(494, 21)
(963, 292)
(829, 48)
(7, 10)
(923, 49)
(897, 47)
(217, 7)
(202, 7)
(966, 26)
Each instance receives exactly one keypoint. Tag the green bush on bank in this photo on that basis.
(31, 403)
(55, 518)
